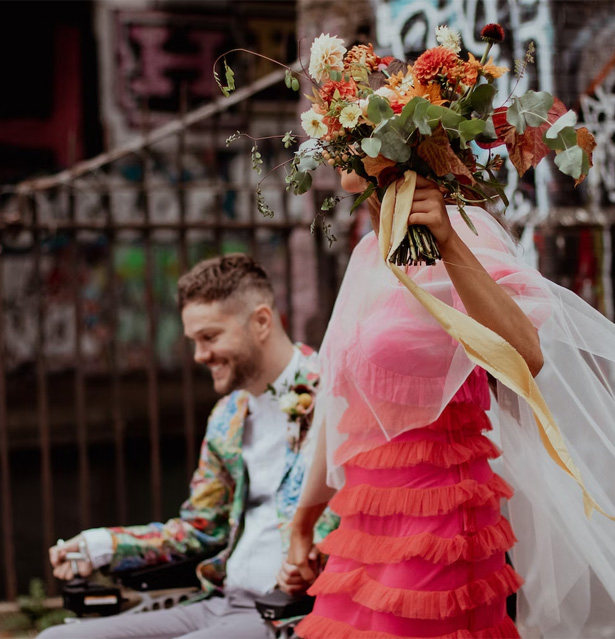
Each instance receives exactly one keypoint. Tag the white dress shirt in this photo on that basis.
(257, 558)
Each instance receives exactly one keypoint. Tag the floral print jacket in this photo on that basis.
(210, 519)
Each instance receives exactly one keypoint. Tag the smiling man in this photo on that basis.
(245, 490)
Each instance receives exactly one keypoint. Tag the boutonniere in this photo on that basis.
(297, 401)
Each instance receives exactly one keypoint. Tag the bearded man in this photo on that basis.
(245, 490)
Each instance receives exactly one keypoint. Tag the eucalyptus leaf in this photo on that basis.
(371, 146)
(394, 145)
(447, 117)
(302, 182)
(572, 161)
(378, 109)
(565, 138)
(530, 109)
(488, 134)
(469, 129)
(481, 99)
(569, 119)
(419, 118)
(408, 111)
(307, 163)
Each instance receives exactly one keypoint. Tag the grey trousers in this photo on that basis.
(231, 617)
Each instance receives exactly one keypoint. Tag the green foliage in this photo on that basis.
(371, 187)
(573, 162)
(378, 109)
(257, 158)
(481, 99)
(33, 614)
(229, 76)
(371, 146)
(530, 109)
(291, 81)
(289, 139)
(261, 204)
(330, 202)
(233, 138)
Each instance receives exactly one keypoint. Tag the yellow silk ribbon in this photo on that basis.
(482, 345)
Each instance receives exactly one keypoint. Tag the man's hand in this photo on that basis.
(289, 578)
(62, 567)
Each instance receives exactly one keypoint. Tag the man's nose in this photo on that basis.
(202, 355)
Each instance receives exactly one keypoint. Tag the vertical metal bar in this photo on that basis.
(10, 573)
(42, 400)
(152, 373)
(116, 407)
(187, 375)
(79, 379)
(288, 267)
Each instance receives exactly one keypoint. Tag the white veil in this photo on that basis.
(566, 559)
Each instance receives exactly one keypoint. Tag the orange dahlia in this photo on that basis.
(435, 62)
(345, 88)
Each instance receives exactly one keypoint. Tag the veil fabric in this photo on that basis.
(387, 367)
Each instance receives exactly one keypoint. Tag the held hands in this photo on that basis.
(302, 565)
(63, 567)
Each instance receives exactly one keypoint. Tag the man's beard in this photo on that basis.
(244, 369)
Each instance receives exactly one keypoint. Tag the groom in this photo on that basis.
(245, 489)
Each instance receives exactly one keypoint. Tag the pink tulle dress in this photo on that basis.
(420, 551)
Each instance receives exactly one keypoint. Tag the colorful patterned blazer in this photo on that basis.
(210, 519)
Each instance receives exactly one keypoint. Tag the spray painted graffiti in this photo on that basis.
(407, 27)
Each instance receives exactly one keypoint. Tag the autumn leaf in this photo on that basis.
(437, 152)
(527, 149)
(375, 166)
(587, 142)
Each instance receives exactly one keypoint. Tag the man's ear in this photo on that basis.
(262, 321)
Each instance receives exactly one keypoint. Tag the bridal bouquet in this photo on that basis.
(381, 118)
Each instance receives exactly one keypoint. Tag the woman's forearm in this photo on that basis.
(488, 303)
(316, 494)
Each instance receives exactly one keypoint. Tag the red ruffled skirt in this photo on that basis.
(420, 551)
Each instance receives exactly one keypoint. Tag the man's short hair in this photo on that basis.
(226, 277)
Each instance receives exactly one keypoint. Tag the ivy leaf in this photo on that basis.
(530, 109)
(378, 109)
(436, 151)
(371, 146)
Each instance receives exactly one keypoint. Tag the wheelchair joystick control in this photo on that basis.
(84, 597)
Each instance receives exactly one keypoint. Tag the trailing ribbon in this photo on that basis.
(482, 345)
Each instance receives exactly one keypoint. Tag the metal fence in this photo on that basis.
(97, 384)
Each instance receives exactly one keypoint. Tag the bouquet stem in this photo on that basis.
(419, 246)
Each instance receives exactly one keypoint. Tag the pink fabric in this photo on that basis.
(361, 591)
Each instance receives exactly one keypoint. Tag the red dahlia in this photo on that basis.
(493, 33)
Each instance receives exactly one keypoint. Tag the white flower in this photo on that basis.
(327, 54)
(312, 123)
(448, 38)
(387, 93)
(288, 402)
(349, 116)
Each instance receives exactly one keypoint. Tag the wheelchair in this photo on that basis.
(166, 585)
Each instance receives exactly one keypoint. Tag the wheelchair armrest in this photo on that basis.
(278, 605)
(173, 574)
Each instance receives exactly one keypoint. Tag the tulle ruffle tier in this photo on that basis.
(420, 551)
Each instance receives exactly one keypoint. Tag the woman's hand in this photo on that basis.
(302, 554)
(429, 209)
